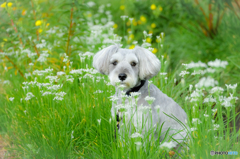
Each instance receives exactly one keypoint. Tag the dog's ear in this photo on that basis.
(149, 64)
(102, 58)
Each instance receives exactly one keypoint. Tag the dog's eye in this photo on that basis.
(114, 63)
(133, 63)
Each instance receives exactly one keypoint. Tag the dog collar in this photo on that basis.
(135, 89)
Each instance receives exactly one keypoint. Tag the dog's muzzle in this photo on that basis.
(122, 76)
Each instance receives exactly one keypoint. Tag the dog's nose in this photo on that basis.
(122, 76)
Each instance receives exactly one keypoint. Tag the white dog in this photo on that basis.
(132, 69)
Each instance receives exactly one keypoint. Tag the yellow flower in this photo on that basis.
(132, 47)
(149, 40)
(39, 30)
(128, 30)
(38, 22)
(3, 5)
(115, 26)
(154, 50)
(5, 39)
(153, 25)
(153, 7)
(131, 36)
(160, 8)
(10, 4)
(143, 19)
(128, 23)
(122, 7)
(89, 15)
(150, 32)
(139, 22)
(24, 11)
(47, 24)
(135, 23)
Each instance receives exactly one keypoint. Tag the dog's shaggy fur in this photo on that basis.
(133, 69)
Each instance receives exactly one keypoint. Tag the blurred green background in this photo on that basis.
(194, 30)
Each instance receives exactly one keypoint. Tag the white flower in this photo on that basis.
(43, 57)
(11, 99)
(196, 120)
(58, 98)
(61, 94)
(60, 73)
(231, 97)
(136, 135)
(54, 87)
(193, 100)
(42, 72)
(206, 115)
(46, 93)
(162, 34)
(183, 73)
(99, 121)
(124, 17)
(121, 87)
(163, 73)
(150, 100)
(206, 82)
(218, 63)
(97, 91)
(216, 89)
(88, 54)
(231, 86)
(183, 82)
(193, 129)
(144, 108)
(90, 3)
(214, 110)
(149, 83)
(113, 98)
(165, 79)
(138, 145)
(168, 145)
(196, 93)
(227, 104)
(70, 80)
(157, 107)
(144, 33)
(194, 65)
(190, 87)
(119, 106)
(52, 78)
(210, 99)
(135, 94)
(221, 98)
(79, 71)
(209, 70)
(29, 96)
(216, 126)
(196, 72)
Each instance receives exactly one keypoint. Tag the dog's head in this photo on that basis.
(126, 66)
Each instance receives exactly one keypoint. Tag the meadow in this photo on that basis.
(54, 104)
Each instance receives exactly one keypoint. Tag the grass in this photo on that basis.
(55, 105)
